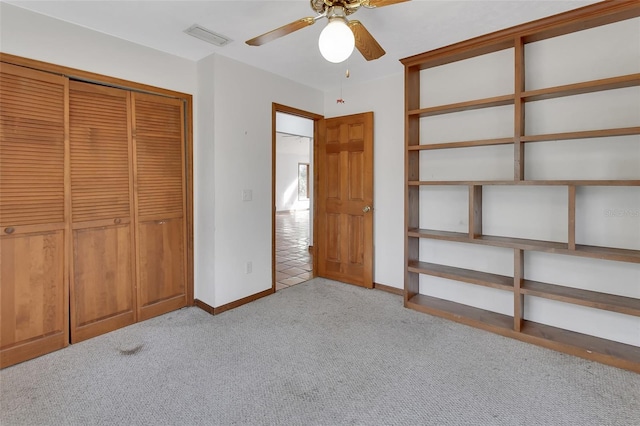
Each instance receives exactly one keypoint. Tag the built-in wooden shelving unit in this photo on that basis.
(516, 326)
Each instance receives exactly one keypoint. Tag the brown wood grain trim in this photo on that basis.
(274, 111)
(102, 222)
(609, 253)
(298, 112)
(571, 225)
(620, 82)
(319, 134)
(500, 282)
(133, 208)
(388, 289)
(160, 216)
(35, 74)
(220, 309)
(475, 211)
(586, 134)
(9, 230)
(87, 331)
(518, 110)
(588, 298)
(33, 349)
(204, 306)
(461, 144)
(87, 76)
(518, 297)
(188, 109)
(590, 16)
(68, 237)
(162, 307)
(589, 347)
(463, 106)
(527, 182)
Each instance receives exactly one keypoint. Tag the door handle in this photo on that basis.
(117, 221)
(9, 230)
(366, 209)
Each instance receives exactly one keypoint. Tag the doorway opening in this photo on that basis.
(294, 134)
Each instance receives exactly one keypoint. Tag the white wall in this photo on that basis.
(241, 155)
(290, 151)
(385, 97)
(35, 36)
(204, 180)
(232, 138)
(31, 35)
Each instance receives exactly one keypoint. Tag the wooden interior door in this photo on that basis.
(160, 203)
(345, 200)
(102, 280)
(33, 228)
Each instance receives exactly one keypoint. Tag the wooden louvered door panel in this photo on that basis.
(33, 240)
(160, 201)
(102, 280)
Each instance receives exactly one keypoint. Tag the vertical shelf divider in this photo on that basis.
(412, 172)
(519, 110)
(518, 297)
(572, 218)
(475, 211)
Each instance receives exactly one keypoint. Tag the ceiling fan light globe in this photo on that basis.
(336, 41)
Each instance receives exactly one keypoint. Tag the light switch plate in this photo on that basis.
(247, 195)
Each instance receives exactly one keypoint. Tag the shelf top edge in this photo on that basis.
(578, 19)
(576, 182)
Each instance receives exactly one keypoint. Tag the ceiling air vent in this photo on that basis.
(207, 35)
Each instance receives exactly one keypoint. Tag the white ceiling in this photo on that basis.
(403, 29)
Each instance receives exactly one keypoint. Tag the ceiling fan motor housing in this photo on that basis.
(323, 6)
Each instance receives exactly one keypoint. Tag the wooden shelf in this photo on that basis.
(581, 88)
(475, 317)
(516, 326)
(462, 144)
(464, 106)
(588, 134)
(591, 299)
(500, 282)
(527, 182)
(578, 344)
(582, 345)
(624, 131)
(608, 253)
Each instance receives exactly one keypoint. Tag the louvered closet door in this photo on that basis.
(159, 164)
(102, 287)
(33, 275)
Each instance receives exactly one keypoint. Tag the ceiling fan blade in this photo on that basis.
(280, 32)
(380, 3)
(365, 43)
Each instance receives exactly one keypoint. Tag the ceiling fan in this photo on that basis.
(339, 37)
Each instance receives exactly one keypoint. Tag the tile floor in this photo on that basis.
(293, 260)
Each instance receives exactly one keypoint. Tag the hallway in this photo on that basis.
(294, 263)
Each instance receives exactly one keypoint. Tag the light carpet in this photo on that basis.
(318, 353)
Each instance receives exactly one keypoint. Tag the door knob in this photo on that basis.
(366, 209)
(9, 230)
